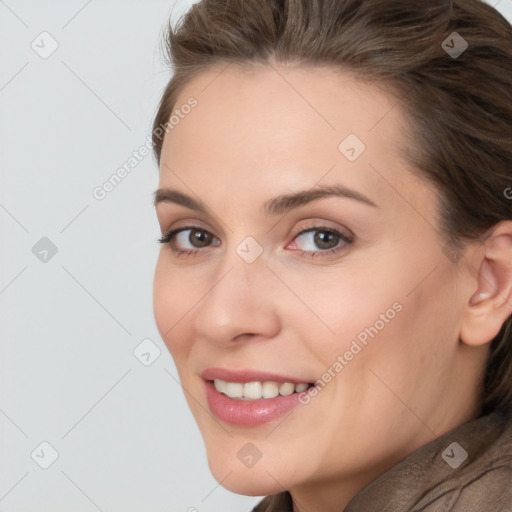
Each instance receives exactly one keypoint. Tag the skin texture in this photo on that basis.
(256, 134)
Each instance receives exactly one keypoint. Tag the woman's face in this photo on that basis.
(351, 291)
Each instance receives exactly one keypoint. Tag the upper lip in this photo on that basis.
(248, 376)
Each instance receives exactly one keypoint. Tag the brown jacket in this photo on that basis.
(468, 469)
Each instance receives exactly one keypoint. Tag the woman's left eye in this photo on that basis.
(327, 240)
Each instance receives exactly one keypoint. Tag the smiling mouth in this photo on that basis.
(258, 390)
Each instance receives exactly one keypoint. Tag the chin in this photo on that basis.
(252, 481)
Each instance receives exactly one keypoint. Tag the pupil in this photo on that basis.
(200, 236)
(322, 239)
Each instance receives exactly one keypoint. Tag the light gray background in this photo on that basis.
(125, 438)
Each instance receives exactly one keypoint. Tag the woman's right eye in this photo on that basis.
(198, 238)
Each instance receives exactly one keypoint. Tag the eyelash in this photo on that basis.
(168, 237)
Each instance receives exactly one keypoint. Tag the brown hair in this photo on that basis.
(459, 106)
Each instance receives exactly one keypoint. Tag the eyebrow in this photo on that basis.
(277, 205)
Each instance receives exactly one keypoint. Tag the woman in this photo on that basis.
(335, 279)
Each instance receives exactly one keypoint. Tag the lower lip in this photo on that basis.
(248, 413)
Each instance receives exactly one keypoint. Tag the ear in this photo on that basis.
(491, 303)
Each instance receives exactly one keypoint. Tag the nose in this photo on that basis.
(239, 304)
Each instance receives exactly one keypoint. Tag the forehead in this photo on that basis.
(280, 106)
(285, 127)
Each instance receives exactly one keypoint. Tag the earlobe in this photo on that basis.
(491, 302)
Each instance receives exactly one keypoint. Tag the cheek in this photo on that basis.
(338, 304)
(407, 321)
(386, 302)
(173, 297)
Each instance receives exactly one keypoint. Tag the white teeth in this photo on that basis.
(270, 389)
(301, 387)
(257, 390)
(287, 388)
(220, 385)
(234, 389)
(252, 390)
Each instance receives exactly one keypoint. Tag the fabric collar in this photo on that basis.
(467, 469)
